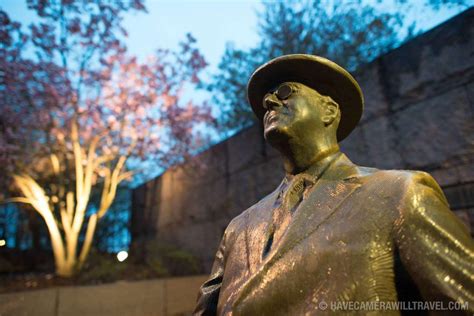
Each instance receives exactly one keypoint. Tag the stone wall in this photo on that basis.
(418, 115)
(163, 297)
(190, 206)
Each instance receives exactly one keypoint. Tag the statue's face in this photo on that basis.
(293, 111)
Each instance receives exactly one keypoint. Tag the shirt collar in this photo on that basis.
(316, 170)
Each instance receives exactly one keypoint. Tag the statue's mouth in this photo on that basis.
(271, 117)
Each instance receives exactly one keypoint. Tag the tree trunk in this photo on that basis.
(66, 270)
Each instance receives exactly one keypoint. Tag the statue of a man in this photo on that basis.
(332, 231)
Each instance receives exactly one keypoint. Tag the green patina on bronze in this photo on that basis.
(333, 232)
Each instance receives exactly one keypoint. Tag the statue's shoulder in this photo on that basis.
(405, 189)
(402, 179)
(406, 176)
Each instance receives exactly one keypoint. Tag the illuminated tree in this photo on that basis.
(79, 113)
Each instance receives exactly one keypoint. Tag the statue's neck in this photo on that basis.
(301, 158)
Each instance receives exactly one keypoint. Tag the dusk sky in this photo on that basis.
(215, 22)
(211, 22)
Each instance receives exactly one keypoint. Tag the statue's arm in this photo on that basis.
(434, 245)
(209, 292)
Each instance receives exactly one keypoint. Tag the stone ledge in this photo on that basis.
(173, 296)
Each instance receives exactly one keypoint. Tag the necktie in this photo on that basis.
(287, 202)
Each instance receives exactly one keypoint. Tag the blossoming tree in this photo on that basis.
(77, 109)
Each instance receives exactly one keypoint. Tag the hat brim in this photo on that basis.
(318, 73)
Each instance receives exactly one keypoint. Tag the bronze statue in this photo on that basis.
(334, 232)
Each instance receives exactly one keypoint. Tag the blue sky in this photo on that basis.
(211, 22)
(215, 22)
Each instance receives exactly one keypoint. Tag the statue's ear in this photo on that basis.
(331, 111)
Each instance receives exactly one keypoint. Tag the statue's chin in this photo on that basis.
(275, 135)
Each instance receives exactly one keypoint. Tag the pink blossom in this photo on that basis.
(107, 92)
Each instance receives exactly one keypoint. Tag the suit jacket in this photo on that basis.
(361, 234)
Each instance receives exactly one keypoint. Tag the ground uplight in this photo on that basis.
(122, 255)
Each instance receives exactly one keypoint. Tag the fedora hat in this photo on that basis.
(318, 73)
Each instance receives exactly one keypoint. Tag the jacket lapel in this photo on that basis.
(328, 195)
(324, 199)
(259, 221)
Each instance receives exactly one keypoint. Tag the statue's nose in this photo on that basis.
(271, 102)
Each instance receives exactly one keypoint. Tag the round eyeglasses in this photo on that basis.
(284, 91)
